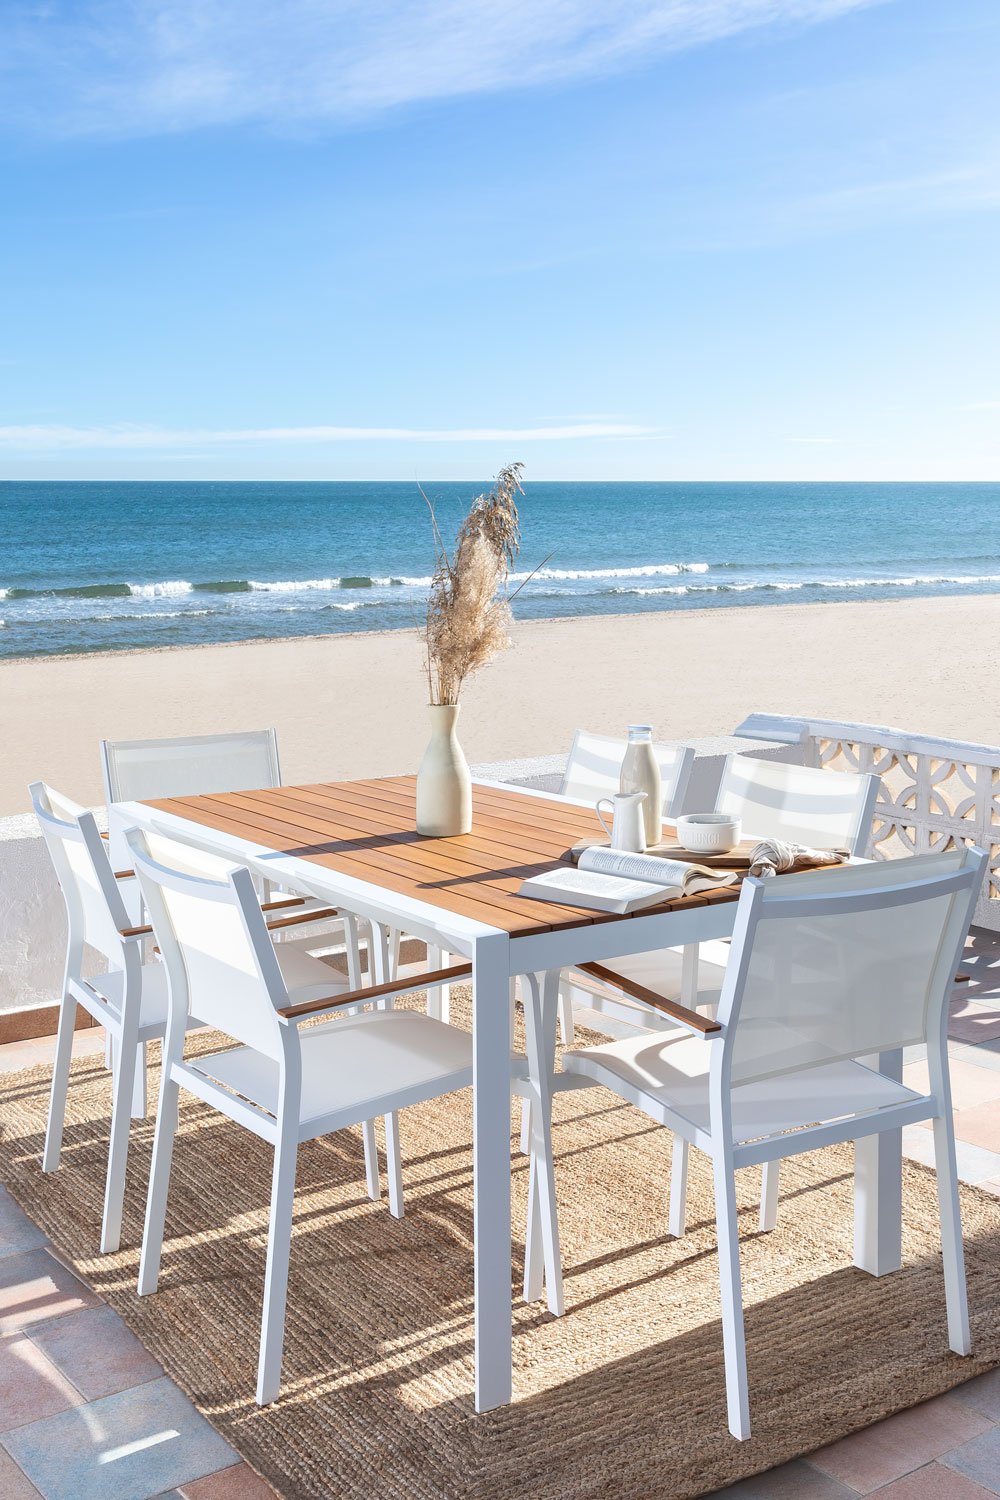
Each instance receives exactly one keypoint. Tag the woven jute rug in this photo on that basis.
(624, 1396)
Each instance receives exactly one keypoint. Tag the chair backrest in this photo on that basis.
(95, 909)
(137, 770)
(594, 766)
(845, 963)
(218, 953)
(801, 804)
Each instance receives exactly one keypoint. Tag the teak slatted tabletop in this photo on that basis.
(367, 830)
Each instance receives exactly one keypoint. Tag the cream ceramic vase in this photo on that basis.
(444, 785)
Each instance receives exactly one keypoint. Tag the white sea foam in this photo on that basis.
(294, 585)
(907, 583)
(167, 589)
(647, 570)
(3, 593)
(412, 583)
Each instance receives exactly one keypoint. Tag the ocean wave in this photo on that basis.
(790, 585)
(168, 590)
(646, 570)
(910, 582)
(328, 585)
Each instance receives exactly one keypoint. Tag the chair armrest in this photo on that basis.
(306, 916)
(703, 1025)
(280, 903)
(124, 874)
(132, 932)
(393, 987)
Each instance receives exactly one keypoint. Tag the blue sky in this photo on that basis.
(667, 239)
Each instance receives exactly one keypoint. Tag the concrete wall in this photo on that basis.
(32, 919)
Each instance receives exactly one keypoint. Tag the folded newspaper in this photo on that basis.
(608, 880)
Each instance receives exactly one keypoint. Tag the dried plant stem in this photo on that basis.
(468, 612)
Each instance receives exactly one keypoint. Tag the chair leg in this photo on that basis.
(352, 948)
(60, 1084)
(525, 1142)
(733, 1337)
(567, 1026)
(140, 1103)
(383, 954)
(394, 1165)
(372, 1179)
(534, 1249)
(677, 1214)
(131, 1060)
(769, 1185)
(159, 1181)
(434, 961)
(946, 1167)
(279, 1244)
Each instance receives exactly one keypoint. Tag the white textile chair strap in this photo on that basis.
(593, 769)
(845, 963)
(95, 910)
(138, 770)
(799, 804)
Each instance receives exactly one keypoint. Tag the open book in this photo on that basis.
(608, 880)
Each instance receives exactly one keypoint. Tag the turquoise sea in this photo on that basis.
(107, 566)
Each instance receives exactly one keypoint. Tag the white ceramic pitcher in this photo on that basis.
(628, 830)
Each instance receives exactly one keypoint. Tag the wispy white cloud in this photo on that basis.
(820, 440)
(36, 438)
(974, 184)
(983, 406)
(144, 66)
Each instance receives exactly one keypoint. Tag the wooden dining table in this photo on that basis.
(355, 845)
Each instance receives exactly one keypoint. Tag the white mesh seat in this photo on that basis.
(827, 971)
(153, 1001)
(670, 1076)
(354, 1068)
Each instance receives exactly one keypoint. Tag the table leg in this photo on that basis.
(878, 1188)
(491, 1169)
(541, 997)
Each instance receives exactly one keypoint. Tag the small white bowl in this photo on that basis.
(708, 833)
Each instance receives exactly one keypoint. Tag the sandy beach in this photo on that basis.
(352, 705)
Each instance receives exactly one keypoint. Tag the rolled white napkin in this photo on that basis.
(774, 857)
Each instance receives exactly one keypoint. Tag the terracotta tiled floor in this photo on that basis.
(85, 1412)
(78, 1427)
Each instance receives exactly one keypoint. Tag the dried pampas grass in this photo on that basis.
(468, 612)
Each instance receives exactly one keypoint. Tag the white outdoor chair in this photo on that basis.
(593, 769)
(594, 765)
(195, 765)
(130, 999)
(774, 799)
(283, 1084)
(827, 969)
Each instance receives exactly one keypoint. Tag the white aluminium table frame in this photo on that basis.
(497, 957)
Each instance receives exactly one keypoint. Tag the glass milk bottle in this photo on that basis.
(641, 773)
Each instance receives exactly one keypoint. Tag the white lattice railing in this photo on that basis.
(934, 792)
